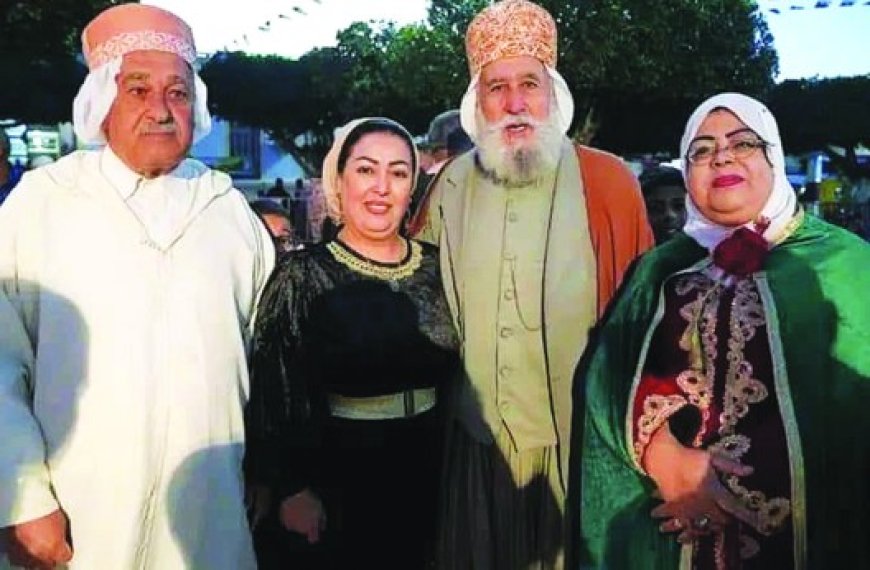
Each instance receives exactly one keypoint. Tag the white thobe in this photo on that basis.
(125, 308)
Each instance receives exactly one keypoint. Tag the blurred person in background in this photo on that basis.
(664, 194)
(8, 174)
(279, 224)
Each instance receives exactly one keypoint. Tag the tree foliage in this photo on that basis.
(636, 69)
(39, 43)
(822, 114)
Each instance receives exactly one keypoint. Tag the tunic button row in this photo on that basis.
(506, 332)
(505, 370)
(512, 216)
(509, 294)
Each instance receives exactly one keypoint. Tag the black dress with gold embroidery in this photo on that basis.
(709, 373)
(348, 357)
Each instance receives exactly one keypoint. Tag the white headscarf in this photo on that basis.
(780, 205)
(98, 92)
(330, 175)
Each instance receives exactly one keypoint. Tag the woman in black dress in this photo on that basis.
(353, 347)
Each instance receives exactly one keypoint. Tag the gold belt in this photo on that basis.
(391, 406)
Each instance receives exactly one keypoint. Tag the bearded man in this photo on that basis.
(535, 235)
(128, 282)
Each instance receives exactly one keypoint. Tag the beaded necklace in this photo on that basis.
(358, 263)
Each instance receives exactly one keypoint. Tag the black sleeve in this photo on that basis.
(282, 418)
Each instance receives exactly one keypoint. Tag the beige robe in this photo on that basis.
(596, 226)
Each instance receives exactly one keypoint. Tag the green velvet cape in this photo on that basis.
(816, 290)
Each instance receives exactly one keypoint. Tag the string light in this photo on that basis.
(778, 7)
(244, 41)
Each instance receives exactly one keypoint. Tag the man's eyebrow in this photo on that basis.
(144, 76)
(528, 75)
(135, 76)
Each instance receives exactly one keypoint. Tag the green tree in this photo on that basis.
(39, 43)
(295, 102)
(636, 69)
(832, 115)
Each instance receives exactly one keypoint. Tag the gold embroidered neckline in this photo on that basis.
(358, 263)
(789, 228)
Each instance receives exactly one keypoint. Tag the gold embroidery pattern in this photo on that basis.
(371, 269)
(656, 410)
(772, 513)
(698, 386)
(734, 446)
(741, 389)
(701, 315)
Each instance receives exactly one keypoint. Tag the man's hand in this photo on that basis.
(40, 544)
(303, 513)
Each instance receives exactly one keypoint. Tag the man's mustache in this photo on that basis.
(523, 120)
(168, 127)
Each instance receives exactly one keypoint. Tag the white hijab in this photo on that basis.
(780, 206)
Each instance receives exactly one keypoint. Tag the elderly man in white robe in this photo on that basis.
(128, 279)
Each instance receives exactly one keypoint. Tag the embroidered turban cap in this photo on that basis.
(513, 28)
(111, 35)
(510, 28)
(122, 29)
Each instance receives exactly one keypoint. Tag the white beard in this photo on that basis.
(522, 164)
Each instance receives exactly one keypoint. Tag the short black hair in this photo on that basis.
(441, 127)
(376, 125)
(264, 207)
(458, 142)
(658, 176)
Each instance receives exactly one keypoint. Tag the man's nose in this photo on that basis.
(515, 102)
(158, 109)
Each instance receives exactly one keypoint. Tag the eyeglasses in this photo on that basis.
(702, 151)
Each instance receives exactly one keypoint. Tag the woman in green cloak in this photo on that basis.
(724, 420)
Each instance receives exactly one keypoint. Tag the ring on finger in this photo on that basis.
(702, 523)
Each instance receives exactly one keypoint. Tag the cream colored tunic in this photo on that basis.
(510, 231)
(555, 292)
(123, 374)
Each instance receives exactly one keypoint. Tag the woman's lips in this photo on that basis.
(727, 181)
(377, 207)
